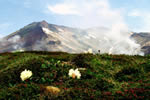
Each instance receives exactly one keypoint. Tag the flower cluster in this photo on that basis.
(26, 74)
(89, 51)
(74, 73)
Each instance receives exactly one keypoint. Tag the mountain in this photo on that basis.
(144, 40)
(48, 37)
(42, 36)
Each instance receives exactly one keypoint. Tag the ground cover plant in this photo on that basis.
(103, 76)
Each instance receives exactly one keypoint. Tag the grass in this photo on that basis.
(106, 76)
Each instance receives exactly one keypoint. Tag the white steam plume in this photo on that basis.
(13, 43)
(14, 39)
(95, 13)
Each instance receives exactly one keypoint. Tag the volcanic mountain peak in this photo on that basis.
(42, 36)
(49, 37)
(44, 24)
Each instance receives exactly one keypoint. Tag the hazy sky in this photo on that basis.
(134, 14)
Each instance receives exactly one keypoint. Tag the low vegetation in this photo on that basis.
(103, 76)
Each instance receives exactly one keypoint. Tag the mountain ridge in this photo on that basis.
(143, 38)
(40, 31)
(42, 36)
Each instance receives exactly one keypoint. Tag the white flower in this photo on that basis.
(74, 73)
(90, 51)
(26, 74)
(85, 51)
(21, 50)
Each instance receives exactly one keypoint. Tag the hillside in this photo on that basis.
(103, 76)
(42, 36)
(144, 40)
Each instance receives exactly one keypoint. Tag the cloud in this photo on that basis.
(134, 13)
(93, 13)
(63, 9)
(89, 13)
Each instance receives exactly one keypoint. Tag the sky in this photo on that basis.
(132, 15)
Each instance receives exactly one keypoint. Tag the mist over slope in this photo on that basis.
(41, 36)
(144, 40)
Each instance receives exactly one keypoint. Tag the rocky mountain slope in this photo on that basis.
(48, 37)
(144, 40)
(41, 36)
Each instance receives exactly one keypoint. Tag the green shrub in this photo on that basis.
(103, 73)
(82, 60)
(128, 74)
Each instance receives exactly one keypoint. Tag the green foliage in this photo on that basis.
(82, 60)
(106, 76)
(129, 73)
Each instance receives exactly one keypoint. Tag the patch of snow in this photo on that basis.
(60, 30)
(92, 36)
(105, 38)
(87, 37)
(47, 31)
